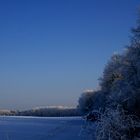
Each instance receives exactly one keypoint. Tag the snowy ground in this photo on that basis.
(32, 128)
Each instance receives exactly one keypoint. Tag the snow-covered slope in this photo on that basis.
(35, 128)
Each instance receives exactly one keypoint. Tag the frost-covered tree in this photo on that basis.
(111, 73)
(120, 85)
(121, 77)
(86, 101)
(99, 101)
(129, 87)
(126, 91)
(92, 100)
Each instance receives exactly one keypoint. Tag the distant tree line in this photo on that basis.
(50, 112)
(44, 112)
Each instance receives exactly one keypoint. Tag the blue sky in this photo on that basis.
(53, 50)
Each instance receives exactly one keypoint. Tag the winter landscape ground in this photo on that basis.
(41, 128)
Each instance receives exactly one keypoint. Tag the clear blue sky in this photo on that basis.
(52, 50)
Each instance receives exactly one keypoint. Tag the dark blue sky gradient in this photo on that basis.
(52, 50)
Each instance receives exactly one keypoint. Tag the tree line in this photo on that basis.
(118, 99)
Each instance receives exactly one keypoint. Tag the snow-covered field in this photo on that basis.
(35, 128)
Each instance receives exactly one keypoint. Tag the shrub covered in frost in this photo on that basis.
(117, 125)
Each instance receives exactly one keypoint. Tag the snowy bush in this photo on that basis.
(116, 125)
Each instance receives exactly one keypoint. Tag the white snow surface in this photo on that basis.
(41, 128)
